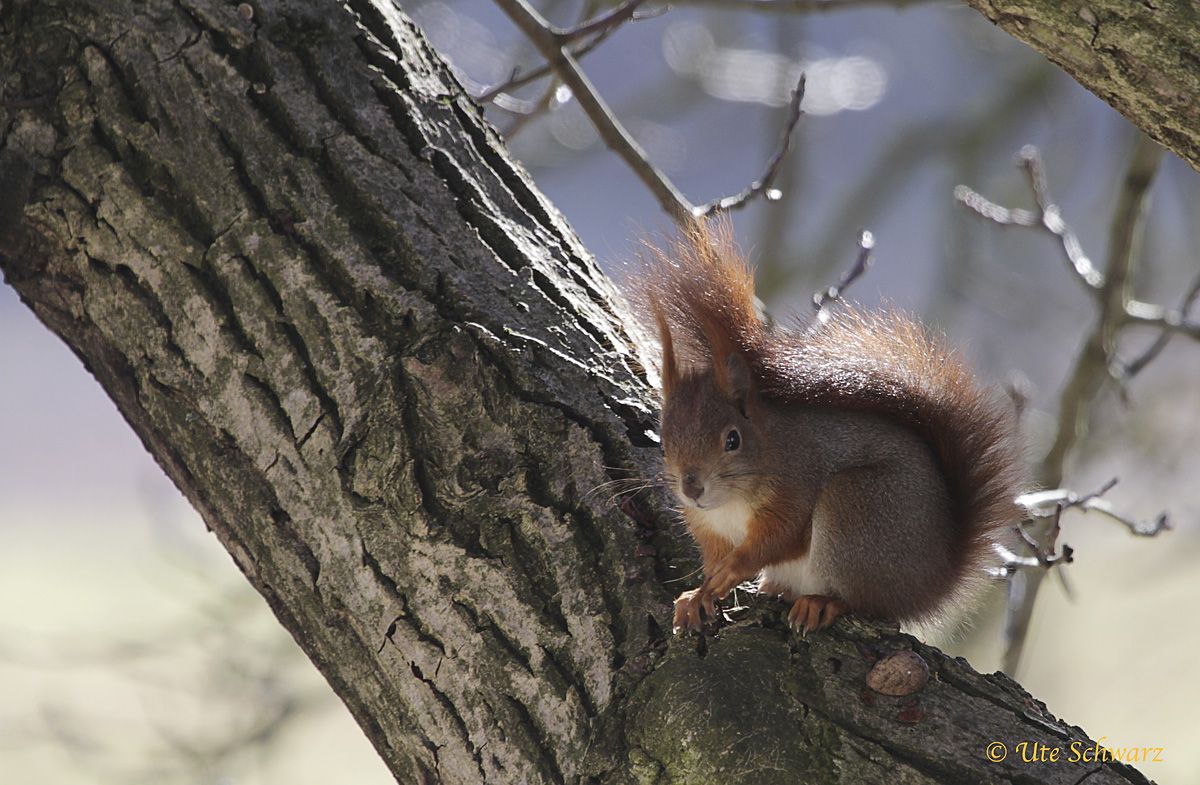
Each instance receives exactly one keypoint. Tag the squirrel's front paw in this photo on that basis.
(688, 607)
(729, 572)
(814, 612)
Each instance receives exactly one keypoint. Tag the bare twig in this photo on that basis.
(547, 41)
(1124, 371)
(1049, 218)
(763, 185)
(523, 119)
(967, 136)
(1093, 365)
(866, 244)
(602, 27)
(553, 45)
(1046, 217)
(1152, 528)
(1042, 558)
(1164, 318)
(1046, 504)
(1051, 505)
(606, 22)
(519, 80)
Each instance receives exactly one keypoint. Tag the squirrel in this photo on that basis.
(855, 465)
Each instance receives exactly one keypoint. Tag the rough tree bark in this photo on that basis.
(1141, 56)
(388, 375)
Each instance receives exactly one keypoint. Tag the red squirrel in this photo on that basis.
(855, 465)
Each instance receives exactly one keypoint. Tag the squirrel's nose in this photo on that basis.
(691, 488)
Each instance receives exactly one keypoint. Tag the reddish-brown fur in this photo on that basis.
(701, 293)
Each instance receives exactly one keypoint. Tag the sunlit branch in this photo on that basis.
(1046, 217)
(866, 245)
(1096, 358)
(547, 41)
(605, 22)
(1045, 504)
(1124, 371)
(763, 186)
(1041, 558)
(553, 45)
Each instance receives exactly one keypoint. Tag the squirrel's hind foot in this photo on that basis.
(814, 612)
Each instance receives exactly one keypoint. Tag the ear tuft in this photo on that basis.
(670, 368)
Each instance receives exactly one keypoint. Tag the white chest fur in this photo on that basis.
(729, 520)
(790, 578)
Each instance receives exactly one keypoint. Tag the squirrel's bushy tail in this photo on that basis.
(889, 364)
(701, 289)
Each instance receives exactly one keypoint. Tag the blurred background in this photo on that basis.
(132, 650)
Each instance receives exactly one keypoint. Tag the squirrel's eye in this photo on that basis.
(733, 440)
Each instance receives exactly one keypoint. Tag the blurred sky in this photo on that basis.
(98, 549)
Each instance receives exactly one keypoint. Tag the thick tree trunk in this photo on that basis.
(388, 375)
(1141, 56)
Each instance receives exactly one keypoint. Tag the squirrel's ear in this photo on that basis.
(670, 370)
(737, 382)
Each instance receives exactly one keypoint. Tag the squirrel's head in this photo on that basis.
(712, 438)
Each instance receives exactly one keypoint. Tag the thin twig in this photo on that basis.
(1042, 558)
(1153, 528)
(611, 22)
(1051, 504)
(1049, 218)
(764, 185)
(519, 80)
(538, 30)
(552, 45)
(605, 22)
(1045, 504)
(1093, 364)
(1046, 217)
(1126, 371)
(968, 136)
(1164, 318)
(866, 246)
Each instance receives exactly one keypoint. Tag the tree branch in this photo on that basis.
(602, 26)
(1097, 356)
(763, 185)
(550, 43)
(866, 248)
(1139, 57)
(539, 31)
(1046, 217)
(388, 375)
